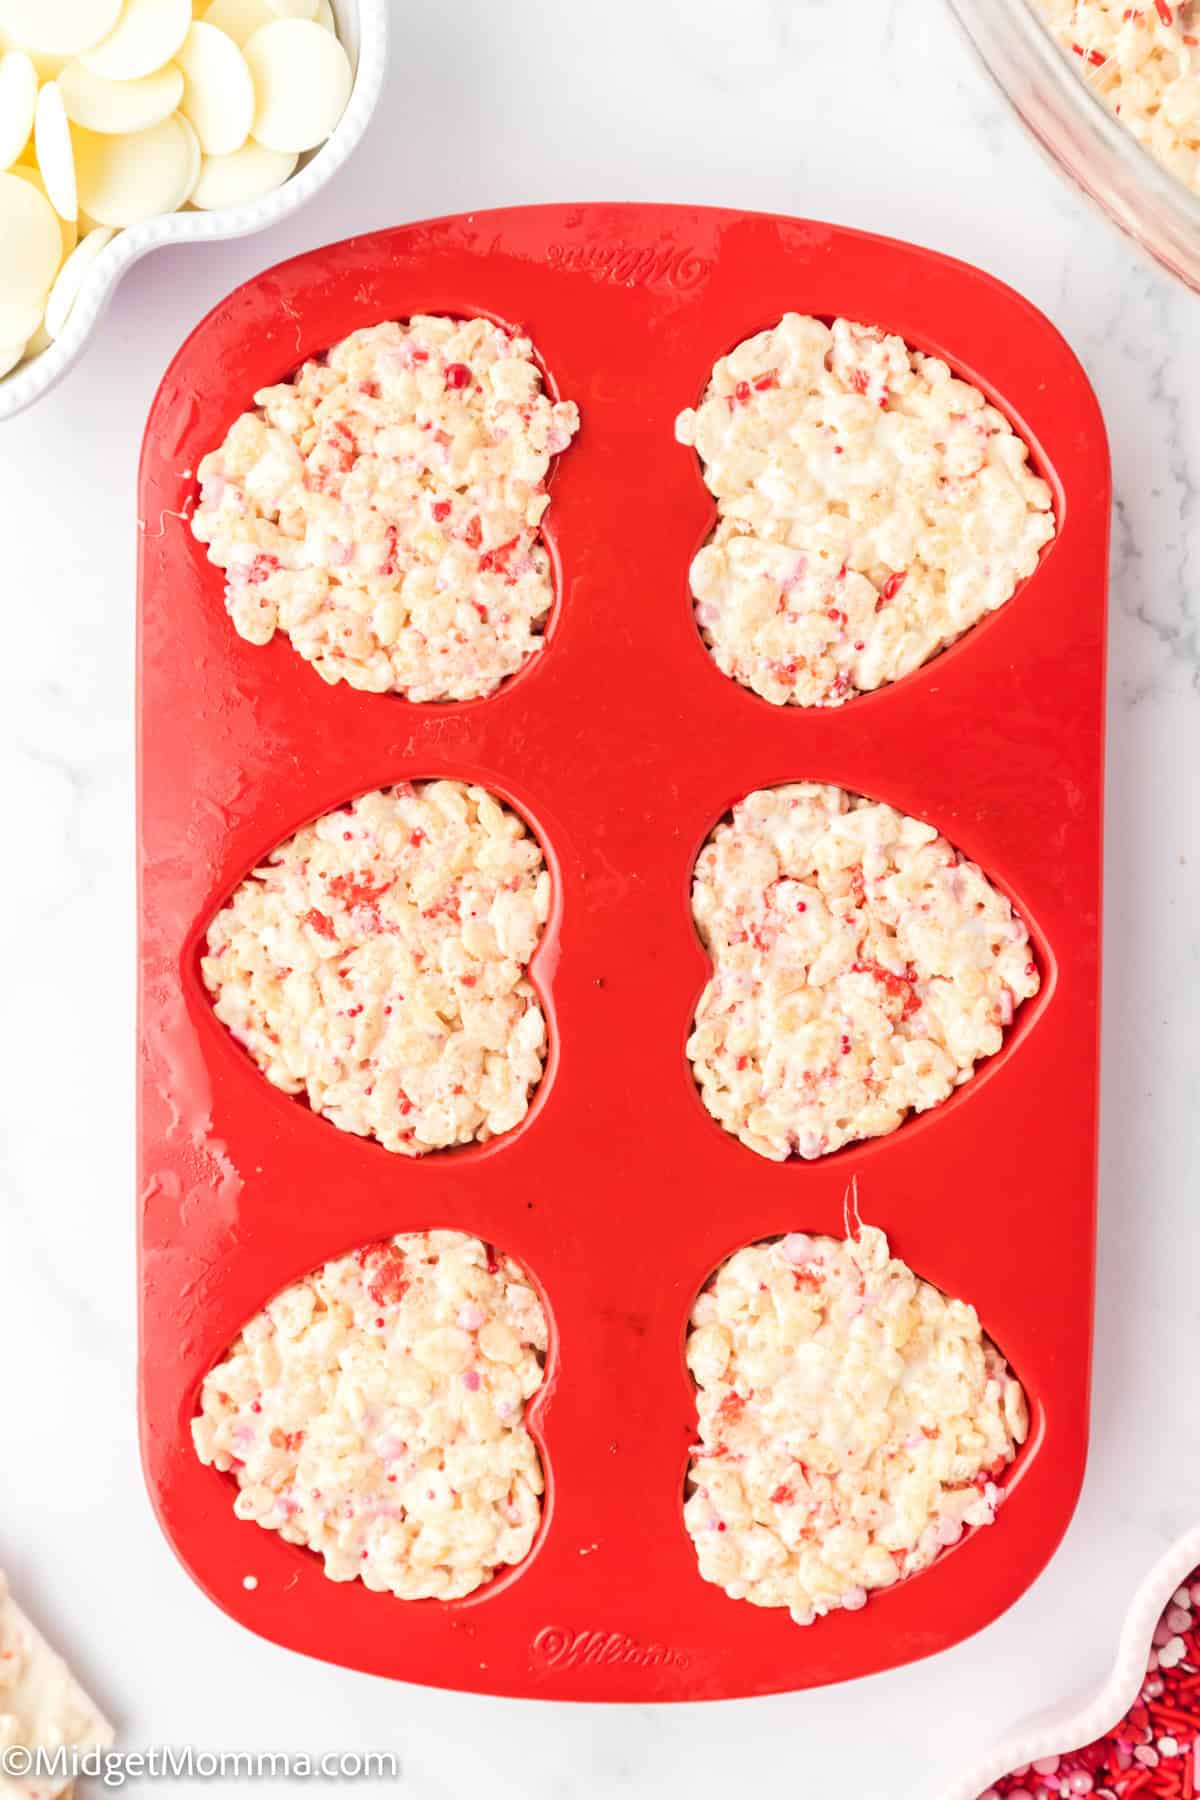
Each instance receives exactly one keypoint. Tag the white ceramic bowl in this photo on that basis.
(362, 27)
(1054, 1733)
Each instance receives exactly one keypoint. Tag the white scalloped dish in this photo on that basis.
(362, 28)
(1057, 1732)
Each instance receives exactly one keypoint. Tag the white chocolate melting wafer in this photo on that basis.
(116, 111)
(32, 242)
(245, 175)
(115, 107)
(57, 27)
(218, 94)
(21, 317)
(55, 151)
(71, 277)
(195, 156)
(302, 79)
(18, 98)
(42, 1704)
(68, 228)
(148, 34)
(125, 179)
(239, 19)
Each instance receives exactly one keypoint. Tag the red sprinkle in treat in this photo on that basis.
(458, 376)
(1153, 1751)
(387, 1282)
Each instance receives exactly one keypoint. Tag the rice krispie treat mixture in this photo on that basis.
(42, 1707)
(853, 1422)
(383, 509)
(861, 968)
(376, 964)
(375, 1413)
(871, 508)
(1144, 62)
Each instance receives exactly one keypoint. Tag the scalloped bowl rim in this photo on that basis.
(363, 26)
(1063, 1731)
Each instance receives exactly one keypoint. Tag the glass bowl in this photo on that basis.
(1079, 133)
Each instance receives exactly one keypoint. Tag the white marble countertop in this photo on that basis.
(871, 115)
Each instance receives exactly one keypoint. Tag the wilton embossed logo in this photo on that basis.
(627, 266)
(559, 1648)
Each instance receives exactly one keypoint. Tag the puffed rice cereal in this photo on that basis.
(853, 1422)
(383, 509)
(376, 964)
(861, 968)
(1144, 63)
(375, 1412)
(871, 508)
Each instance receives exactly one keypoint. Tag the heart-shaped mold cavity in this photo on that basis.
(854, 1423)
(376, 965)
(375, 1412)
(872, 508)
(382, 509)
(861, 969)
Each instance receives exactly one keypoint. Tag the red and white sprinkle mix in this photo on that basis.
(383, 509)
(854, 1421)
(871, 509)
(362, 1418)
(1144, 62)
(861, 969)
(376, 964)
(1154, 1751)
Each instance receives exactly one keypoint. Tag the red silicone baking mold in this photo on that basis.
(623, 745)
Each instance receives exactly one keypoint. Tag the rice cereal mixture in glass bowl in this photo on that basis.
(1144, 63)
(871, 509)
(861, 969)
(854, 1421)
(375, 1413)
(1110, 93)
(376, 964)
(383, 509)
